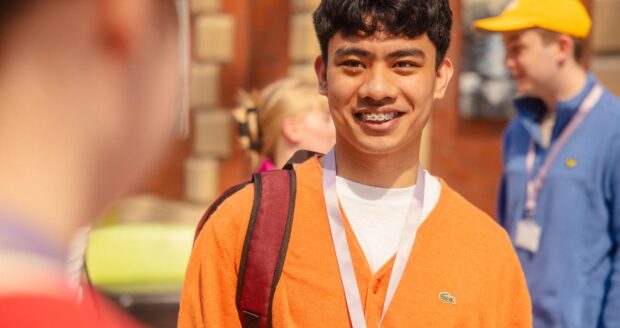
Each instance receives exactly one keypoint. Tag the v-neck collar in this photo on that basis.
(532, 111)
(386, 268)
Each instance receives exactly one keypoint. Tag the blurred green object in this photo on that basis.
(143, 258)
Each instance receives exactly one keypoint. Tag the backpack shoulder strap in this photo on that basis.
(265, 246)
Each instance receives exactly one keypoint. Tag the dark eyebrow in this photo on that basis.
(352, 51)
(411, 52)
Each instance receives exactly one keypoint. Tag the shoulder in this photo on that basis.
(609, 106)
(513, 128)
(231, 217)
(604, 125)
(514, 132)
(471, 226)
(228, 224)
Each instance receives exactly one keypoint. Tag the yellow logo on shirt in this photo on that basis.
(447, 298)
(571, 163)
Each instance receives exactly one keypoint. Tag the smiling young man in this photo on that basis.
(375, 239)
(560, 195)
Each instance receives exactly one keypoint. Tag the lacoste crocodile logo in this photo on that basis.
(447, 298)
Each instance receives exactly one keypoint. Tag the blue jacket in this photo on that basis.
(574, 278)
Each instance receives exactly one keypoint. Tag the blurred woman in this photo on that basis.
(286, 116)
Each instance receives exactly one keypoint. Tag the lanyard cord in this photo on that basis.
(343, 254)
(535, 183)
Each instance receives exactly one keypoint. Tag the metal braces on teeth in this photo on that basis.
(379, 117)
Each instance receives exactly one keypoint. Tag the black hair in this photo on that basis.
(411, 18)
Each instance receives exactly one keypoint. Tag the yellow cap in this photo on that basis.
(563, 16)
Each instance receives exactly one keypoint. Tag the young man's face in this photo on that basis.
(381, 89)
(532, 62)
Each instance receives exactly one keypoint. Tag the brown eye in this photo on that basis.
(353, 64)
(406, 64)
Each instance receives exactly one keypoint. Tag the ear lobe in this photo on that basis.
(442, 78)
(320, 68)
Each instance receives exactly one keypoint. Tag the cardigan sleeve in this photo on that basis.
(209, 292)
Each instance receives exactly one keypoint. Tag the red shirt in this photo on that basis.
(27, 311)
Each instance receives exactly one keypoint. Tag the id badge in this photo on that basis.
(528, 235)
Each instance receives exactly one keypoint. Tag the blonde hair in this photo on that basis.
(261, 113)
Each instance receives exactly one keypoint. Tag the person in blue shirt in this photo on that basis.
(560, 192)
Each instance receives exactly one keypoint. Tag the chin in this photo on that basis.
(377, 145)
(525, 88)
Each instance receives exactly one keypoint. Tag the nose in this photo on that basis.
(378, 85)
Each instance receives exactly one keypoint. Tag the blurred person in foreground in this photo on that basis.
(89, 91)
(286, 116)
(375, 239)
(560, 194)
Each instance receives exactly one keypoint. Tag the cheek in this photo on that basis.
(341, 90)
(166, 86)
(157, 113)
(317, 125)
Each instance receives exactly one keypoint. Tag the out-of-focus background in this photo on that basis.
(248, 43)
(139, 256)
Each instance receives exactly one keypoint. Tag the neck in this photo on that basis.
(569, 82)
(283, 152)
(398, 169)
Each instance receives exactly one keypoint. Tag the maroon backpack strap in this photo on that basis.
(265, 246)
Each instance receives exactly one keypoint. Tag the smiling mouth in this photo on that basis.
(378, 117)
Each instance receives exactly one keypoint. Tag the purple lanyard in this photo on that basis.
(535, 183)
(17, 237)
(343, 255)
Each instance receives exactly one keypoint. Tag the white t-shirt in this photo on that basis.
(377, 215)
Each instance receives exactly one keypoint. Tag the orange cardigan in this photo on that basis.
(459, 252)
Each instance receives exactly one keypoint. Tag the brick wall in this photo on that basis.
(213, 47)
(303, 44)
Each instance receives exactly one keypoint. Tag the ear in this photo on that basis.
(566, 47)
(291, 130)
(320, 68)
(443, 77)
(122, 25)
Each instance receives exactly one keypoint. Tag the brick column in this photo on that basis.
(213, 44)
(303, 44)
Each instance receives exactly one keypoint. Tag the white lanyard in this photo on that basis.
(343, 254)
(534, 184)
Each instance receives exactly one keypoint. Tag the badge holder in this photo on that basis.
(528, 233)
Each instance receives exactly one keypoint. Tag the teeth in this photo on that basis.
(379, 117)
